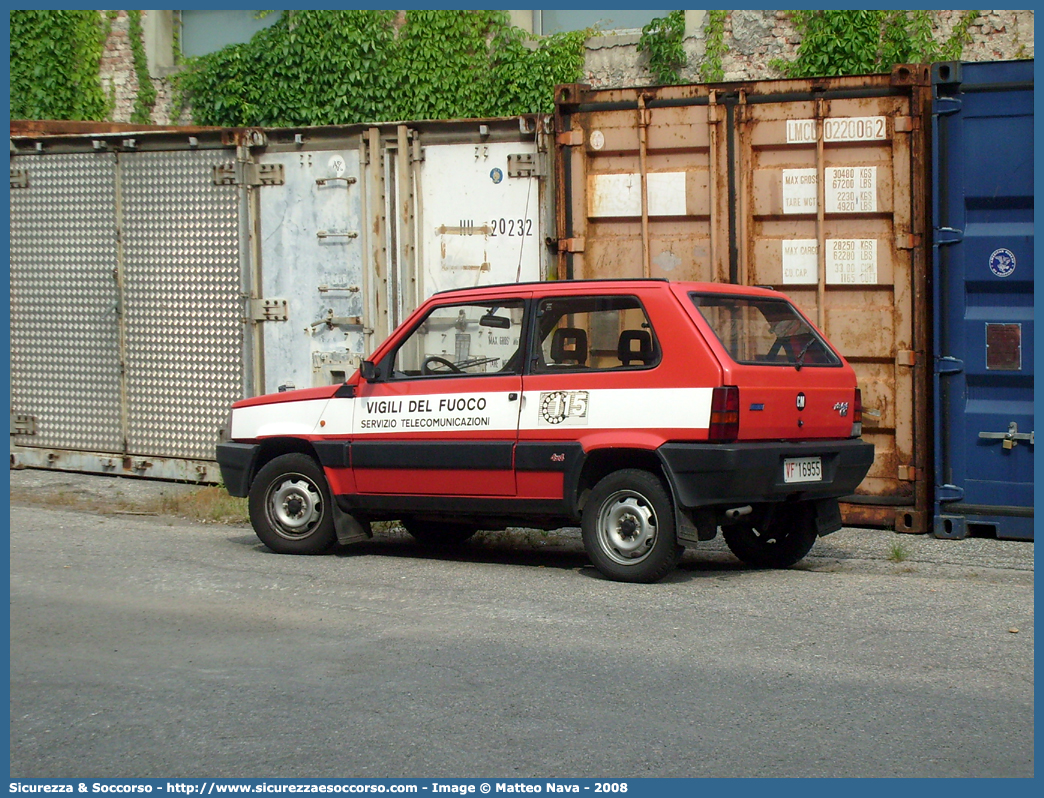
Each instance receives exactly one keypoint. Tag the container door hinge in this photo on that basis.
(944, 106)
(906, 357)
(268, 310)
(240, 173)
(571, 244)
(907, 241)
(948, 365)
(947, 235)
(907, 124)
(948, 493)
(19, 178)
(571, 138)
(524, 164)
(907, 473)
(23, 424)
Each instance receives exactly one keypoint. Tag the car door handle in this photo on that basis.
(512, 396)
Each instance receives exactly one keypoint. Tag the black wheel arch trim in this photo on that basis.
(236, 461)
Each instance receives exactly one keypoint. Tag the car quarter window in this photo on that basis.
(463, 339)
(599, 333)
(763, 331)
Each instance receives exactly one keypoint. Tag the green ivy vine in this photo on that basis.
(145, 99)
(864, 42)
(662, 40)
(55, 58)
(345, 66)
(712, 69)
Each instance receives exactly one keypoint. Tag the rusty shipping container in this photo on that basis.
(816, 187)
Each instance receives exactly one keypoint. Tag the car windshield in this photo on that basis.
(764, 331)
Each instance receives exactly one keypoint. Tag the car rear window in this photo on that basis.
(763, 331)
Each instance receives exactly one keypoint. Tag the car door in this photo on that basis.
(442, 416)
(592, 358)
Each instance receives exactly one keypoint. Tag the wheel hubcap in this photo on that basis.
(295, 505)
(627, 527)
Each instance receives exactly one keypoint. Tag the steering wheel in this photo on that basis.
(441, 360)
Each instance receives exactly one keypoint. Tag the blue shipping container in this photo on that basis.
(982, 250)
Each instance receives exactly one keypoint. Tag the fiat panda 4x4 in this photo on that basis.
(649, 413)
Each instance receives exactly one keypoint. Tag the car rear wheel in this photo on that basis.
(438, 533)
(783, 540)
(290, 506)
(628, 527)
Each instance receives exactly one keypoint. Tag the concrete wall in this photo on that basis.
(753, 39)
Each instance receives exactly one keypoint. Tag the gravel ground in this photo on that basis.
(850, 548)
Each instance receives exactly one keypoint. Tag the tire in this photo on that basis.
(628, 527)
(438, 533)
(785, 539)
(290, 506)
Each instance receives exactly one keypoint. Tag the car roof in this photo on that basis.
(548, 287)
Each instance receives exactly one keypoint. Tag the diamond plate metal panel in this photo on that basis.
(65, 367)
(184, 334)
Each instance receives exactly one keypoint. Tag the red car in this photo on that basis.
(649, 412)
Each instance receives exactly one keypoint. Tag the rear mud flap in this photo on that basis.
(828, 516)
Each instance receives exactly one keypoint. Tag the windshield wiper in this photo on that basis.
(800, 361)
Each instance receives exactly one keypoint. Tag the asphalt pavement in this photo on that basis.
(145, 645)
(852, 547)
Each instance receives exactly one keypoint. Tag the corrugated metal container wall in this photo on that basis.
(982, 165)
(815, 187)
(157, 276)
(125, 303)
(372, 220)
(642, 186)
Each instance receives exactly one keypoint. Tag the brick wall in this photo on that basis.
(120, 81)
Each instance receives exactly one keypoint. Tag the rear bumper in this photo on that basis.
(708, 474)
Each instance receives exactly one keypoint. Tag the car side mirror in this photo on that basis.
(369, 371)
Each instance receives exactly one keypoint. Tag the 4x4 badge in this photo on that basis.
(800, 401)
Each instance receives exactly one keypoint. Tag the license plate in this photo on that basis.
(802, 469)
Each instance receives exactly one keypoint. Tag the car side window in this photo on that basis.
(463, 339)
(600, 333)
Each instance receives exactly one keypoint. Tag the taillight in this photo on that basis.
(857, 415)
(724, 416)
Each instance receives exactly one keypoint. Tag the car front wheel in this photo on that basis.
(628, 527)
(290, 506)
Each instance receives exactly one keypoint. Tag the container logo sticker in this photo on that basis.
(1002, 262)
(496, 175)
